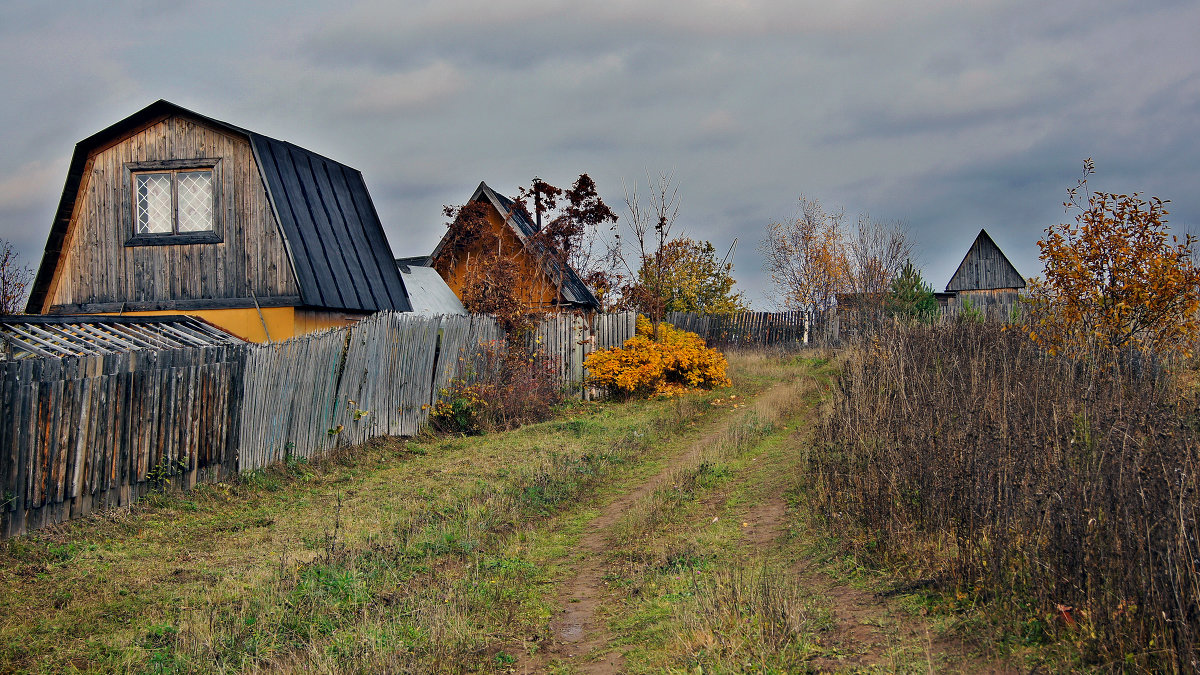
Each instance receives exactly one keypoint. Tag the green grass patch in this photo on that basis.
(433, 553)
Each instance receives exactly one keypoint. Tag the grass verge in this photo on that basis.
(426, 555)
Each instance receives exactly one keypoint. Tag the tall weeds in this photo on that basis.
(1062, 493)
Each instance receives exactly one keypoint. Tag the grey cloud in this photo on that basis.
(948, 115)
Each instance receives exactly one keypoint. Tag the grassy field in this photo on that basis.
(459, 555)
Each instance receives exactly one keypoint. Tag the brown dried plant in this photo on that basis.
(1062, 494)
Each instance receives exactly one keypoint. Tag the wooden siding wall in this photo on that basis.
(97, 267)
(998, 305)
(985, 267)
(994, 305)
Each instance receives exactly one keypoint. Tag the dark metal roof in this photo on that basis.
(336, 242)
(574, 291)
(29, 336)
(984, 267)
(338, 248)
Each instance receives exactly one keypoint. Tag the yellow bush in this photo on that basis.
(676, 362)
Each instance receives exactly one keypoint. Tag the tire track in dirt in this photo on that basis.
(577, 631)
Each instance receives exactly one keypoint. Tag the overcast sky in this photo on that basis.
(947, 115)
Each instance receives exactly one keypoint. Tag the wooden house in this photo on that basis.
(169, 212)
(986, 279)
(542, 285)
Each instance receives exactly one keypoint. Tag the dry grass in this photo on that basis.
(1060, 495)
(427, 556)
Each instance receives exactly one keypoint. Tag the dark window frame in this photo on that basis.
(173, 167)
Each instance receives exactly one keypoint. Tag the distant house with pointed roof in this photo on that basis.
(171, 212)
(543, 285)
(986, 279)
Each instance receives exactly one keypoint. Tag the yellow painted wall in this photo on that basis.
(282, 322)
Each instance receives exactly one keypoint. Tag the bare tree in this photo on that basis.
(14, 280)
(817, 256)
(650, 223)
(806, 257)
(876, 252)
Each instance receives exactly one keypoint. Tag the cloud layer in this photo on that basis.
(949, 116)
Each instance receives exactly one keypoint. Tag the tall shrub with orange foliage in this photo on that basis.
(676, 362)
(1115, 279)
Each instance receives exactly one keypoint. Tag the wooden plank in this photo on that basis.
(9, 435)
(75, 472)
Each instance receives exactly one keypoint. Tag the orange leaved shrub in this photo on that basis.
(677, 362)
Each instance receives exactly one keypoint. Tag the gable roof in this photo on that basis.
(573, 289)
(984, 267)
(332, 232)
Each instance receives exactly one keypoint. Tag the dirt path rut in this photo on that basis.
(578, 633)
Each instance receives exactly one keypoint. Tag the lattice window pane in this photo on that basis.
(195, 201)
(154, 203)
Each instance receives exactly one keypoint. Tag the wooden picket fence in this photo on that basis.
(92, 432)
(83, 433)
(379, 377)
(751, 329)
(565, 340)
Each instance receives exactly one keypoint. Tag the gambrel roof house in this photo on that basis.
(171, 212)
(544, 284)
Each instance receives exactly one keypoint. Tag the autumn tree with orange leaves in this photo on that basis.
(819, 255)
(1115, 279)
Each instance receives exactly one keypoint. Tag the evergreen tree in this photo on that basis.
(910, 298)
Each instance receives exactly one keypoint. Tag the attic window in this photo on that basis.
(173, 204)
